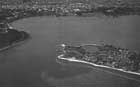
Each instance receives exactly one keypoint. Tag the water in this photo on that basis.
(33, 64)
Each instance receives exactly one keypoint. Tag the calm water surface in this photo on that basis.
(33, 64)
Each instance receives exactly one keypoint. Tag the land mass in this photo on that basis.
(11, 38)
(105, 56)
(115, 8)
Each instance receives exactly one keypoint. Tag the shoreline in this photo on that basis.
(16, 43)
(95, 65)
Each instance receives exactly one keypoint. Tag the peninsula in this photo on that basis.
(105, 56)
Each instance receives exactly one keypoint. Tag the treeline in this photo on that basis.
(112, 11)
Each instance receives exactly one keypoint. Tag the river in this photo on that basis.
(33, 64)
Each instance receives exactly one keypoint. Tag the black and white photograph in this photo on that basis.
(69, 43)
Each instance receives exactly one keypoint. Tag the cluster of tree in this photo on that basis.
(11, 37)
(107, 55)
